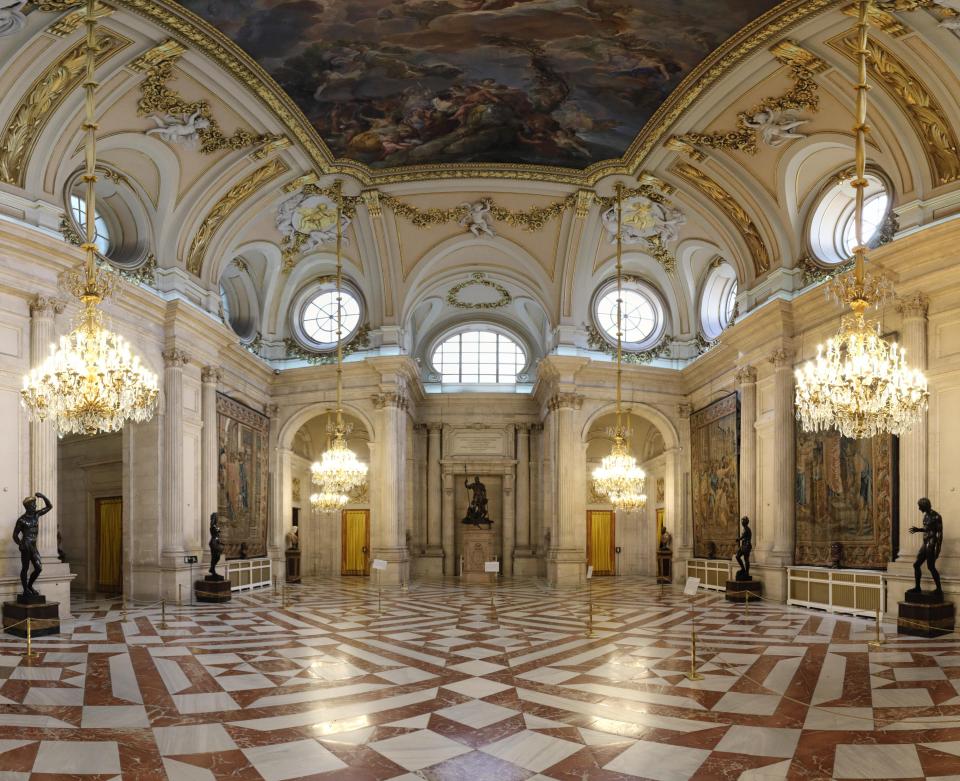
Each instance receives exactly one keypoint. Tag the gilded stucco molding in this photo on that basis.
(479, 278)
(72, 21)
(225, 207)
(359, 341)
(881, 19)
(926, 115)
(29, 119)
(734, 211)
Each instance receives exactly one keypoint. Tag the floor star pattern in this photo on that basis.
(445, 683)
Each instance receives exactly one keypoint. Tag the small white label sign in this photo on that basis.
(491, 566)
(589, 572)
(690, 589)
(379, 564)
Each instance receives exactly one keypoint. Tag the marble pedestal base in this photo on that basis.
(212, 590)
(44, 618)
(737, 590)
(478, 548)
(925, 619)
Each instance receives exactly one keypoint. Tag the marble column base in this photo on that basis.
(566, 567)
(427, 565)
(398, 566)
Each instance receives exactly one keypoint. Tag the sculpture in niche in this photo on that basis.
(11, 17)
(25, 533)
(744, 548)
(932, 531)
(216, 547)
(183, 130)
(776, 128)
(665, 540)
(477, 220)
(477, 511)
(293, 539)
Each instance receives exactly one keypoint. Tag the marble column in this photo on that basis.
(173, 361)
(210, 376)
(914, 471)
(506, 558)
(784, 422)
(522, 540)
(449, 527)
(434, 487)
(278, 491)
(389, 539)
(565, 564)
(747, 383)
(43, 436)
(677, 487)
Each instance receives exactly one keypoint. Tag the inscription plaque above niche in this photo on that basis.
(479, 442)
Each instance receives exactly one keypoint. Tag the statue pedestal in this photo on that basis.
(478, 548)
(737, 590)
(44, 616)
(293, 565)
(925, 614)
(210, 590)
(664, 565)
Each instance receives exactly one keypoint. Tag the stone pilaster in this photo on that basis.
(43, 436)
(677, 480)
(509, 534)
(210, 376)
(449, 527)
(434, 539)
(747, 384)
(173, 361)
(566, 558)
(389, 532)
(784, 423)
(280, 510)
(522, 540)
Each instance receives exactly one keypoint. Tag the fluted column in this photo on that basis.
(566, 558)
(747, 382)
(784, 421)
(914, 470)
(506, 558)
(522, 539)
(210, 376)
(173, 361)
(43, 436)
(434, 488)
(449, 526)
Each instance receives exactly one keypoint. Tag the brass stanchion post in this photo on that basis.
(693, 675)
(878, 641)
(163, 614)
(379, 593)
(746, 604)
(29, 654)
(492, 581)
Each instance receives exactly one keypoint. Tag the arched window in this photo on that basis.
(718, 300)
(832, 231)
(314, 321)
(78, 206)
(641, 315)
(478, 356)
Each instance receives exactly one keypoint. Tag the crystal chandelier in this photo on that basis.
(618, 477)
(92, 382)
(339, 471)
(861, 385)
(328, 502)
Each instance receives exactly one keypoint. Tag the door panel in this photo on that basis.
(600, 542)
(355, 556)
(109, 513)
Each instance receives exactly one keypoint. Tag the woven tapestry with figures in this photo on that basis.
(243, 437)
(715, 477)
(844, 494)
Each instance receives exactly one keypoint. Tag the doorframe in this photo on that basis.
(613, 540)
(343, 543)
(95, 559)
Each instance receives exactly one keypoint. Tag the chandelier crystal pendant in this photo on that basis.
(861, 385)
(339, 471)
(618, 477)
(328, 502)
(92, 381)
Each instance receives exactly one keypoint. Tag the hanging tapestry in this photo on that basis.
(242, 477)
(845, 496)
(715, 483)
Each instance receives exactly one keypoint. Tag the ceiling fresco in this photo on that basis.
(415, 82)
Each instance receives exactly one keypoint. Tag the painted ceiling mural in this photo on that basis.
(546, 82)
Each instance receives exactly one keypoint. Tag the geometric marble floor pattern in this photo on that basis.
(442, 684)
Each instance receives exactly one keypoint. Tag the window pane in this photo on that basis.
(320, 317)
(478, 357)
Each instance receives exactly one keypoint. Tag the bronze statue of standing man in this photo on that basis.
(744, 548)
(216, 548)
(25, 534)
(932, 531)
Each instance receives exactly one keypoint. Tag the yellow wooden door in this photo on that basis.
(355, 558)
(109, 514)
(600, 542)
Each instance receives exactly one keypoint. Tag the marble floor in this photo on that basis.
(443, 683)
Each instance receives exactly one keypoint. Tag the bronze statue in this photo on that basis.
(932, 531)
(477, 511)
(25, 533)
(216, 548)
(836, 555)
(744, 548)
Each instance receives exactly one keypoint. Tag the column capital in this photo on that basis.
(684, 410)
(211, 374)
(565, 401)
(746, 375)
(782, 358)
(524, 427)
(175, 358)
(271, 410)
(396, 399)
(45, 305)
(914, 306)
(434, 427)
(419, 427)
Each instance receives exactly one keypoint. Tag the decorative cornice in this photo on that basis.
(390, 399)
(271, 410)
(747, 375)
(211, 374)
(560, 401)
(781, 358)
(914, 306)
(359, 341)
(175, 358)
(44, 306)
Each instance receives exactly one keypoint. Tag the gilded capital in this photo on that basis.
(46, 306)
(746, 375)
(914, 305)
(565, 401)
(175, 358)
(782, 358)
(211, 374)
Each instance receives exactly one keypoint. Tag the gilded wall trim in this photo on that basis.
(926, 115)
(734, 211)
(225, 207)
(41, 101)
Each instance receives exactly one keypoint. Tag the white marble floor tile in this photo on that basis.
(182, 771)
(748, 704)
(775, 772)
(9, 775)
(866, 761)
(761, 741)
(114, 717)
(477, 713)
(207, 702)
(405, 675)
(848, 719)
(659, 761)
(919, 674)
(532, 750)
(74, 756)
(418, 750)
(36, 674)
(37, 695)
(476, 667)
(901, 698)
(549, 675)
(416, 722)
(172, 675)
(10, 745)
(282, 761)
(244, 682)
(195, 739)
(476, 687)
(476, 652)
(594, 738)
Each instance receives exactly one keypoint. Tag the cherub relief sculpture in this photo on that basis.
(644, 219)
(313, 216)
(183, 130)
(776, 128)
(478, 220)
(25, 533)
(11, 16)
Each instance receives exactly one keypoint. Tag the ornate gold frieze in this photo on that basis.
(225, 207)
(168, 50)
(478, 278)
(676, 144)
(532, 219)
(924, 111)
(359, 341)
(791, 53)
(156, 97)
(734, 211)
(67, 24)
(301, 181)
(41, 101)
(597, 341)
(272, 143)
(881, 19)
